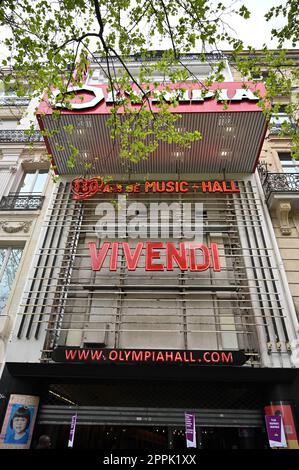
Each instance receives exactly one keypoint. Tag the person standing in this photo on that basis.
(44, 442)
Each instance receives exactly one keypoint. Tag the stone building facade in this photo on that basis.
(131, 328)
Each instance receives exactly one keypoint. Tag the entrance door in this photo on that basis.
(153, 437)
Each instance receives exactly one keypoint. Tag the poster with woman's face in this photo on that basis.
(19, 422)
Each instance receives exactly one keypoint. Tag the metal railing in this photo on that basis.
(20, 136)
(278, 182)
(14, 100)
(156, 55)
(21, 202)
(276, 129)
(281, 124)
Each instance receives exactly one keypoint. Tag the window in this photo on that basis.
(260, 77)
(9, 97)
(280, 118)
(288, 164)
(9, 262)
(29, 195)
(7, 124)
(33, 182)
(7, 90)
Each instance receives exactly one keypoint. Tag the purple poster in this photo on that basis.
(275, 430)
(190, 429)
(72, 430)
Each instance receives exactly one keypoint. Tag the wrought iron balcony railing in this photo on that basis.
(157, 55)
(276, 129)
(11, 100)
(278, 182)
(20, 136)
(281, 122)
(21, 202)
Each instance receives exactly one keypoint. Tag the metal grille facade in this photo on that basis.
(148, 416)
(241, 307)
(99, 154)
(154, 403)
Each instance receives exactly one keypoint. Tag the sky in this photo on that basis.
(255, 31)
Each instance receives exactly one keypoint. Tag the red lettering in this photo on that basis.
(148, 185)
(226, 188)
(127, 355)
(178, 357)
(136, 356)
(76, 185)
(160, 187)
(206, 257)
(114, 257)
(101, 184)
(121, 356)
(169, 356)
(132, 260)
(153, 252)
(97, 259)
(227, 357)
(170, 186)
(180, 257)
(160, 356)
(93, 186)
(84, 189)
(84, 354)
(217, 187)
(191, 357)
(85, 186)
(147, 355)
(118, 188)
(113, 355)
(96, 355)
(215, 257)
(205, 357)
(184, 186)
(185, 356)
(206, 186)
(150, 255)
(215, 356)
(129, 188)
(70, 354)
(106, 188)
(234, 187)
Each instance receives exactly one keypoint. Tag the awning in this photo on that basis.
(233, 133)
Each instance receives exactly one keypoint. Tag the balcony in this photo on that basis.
(286, 183)
(281, 193)
(232, 136)
(15, 136)
(156, 55)
(12, 100)
(21, 202)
